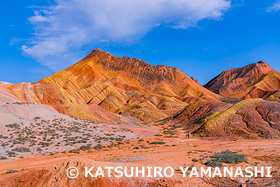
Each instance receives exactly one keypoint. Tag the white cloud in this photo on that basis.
(70, 24)
(274, 8)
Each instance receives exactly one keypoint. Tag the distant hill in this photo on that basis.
(256, 80)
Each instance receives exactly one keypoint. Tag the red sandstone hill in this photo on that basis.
(101, 82)
(128, 74)
(256, 80)
(105, 88)
(250, 118)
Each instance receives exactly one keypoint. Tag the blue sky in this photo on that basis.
(39, 38)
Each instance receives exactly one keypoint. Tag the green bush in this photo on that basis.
(85, 147)
(229, 157)
(157, 143)
(37, 118)
(213, 163)
(98, 147)
(13, 125)
(169, 132)
(111, 145)
(22, 149)
(195, 160)
(12, 171)
(74, 151)
(158, 135)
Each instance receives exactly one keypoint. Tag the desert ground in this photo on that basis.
(177, 151)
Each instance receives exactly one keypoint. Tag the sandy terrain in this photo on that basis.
(29, 130)
(176, 152)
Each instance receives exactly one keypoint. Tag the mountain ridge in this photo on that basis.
(121, 85)
(257, 80)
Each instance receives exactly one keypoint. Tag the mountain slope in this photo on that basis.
(256, 80)
(250, 118)
(124, 85)
(128, 74)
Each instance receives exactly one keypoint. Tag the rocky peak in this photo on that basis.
(237, 80)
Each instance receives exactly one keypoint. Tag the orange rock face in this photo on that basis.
(257, 80)
(120, 85)
(251, 118)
